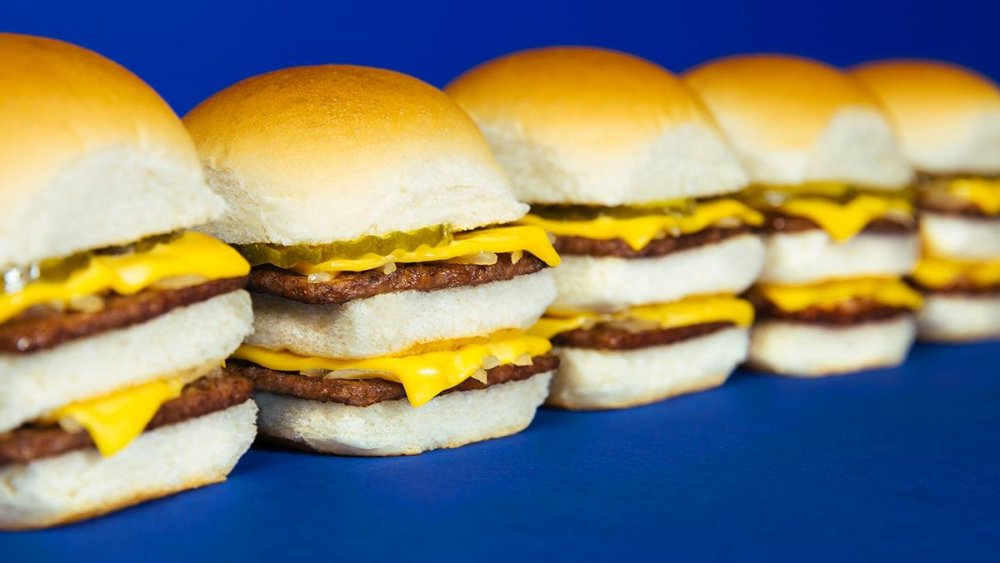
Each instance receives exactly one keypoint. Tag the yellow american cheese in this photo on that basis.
(984, 193)
(843, 221)
(687, 312)
(423, 375)
(192, 253)
(114, 420)
(497, 240)
(886, 291)
(637, 232)
(934, 272)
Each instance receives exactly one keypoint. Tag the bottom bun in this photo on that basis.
(395, 427)
(959, 318)
(82, 484)
(805, 350)
(609, 379)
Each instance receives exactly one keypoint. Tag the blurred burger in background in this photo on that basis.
(390, 301)
(623, 165)
(949, 125)
(828, 174)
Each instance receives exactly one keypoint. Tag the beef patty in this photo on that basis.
(781, 223)
(606, 337)
(41, 329)
(582, 246)
(204, 396)
(959, 287)
(367, 392)
(846, 313)
(349, 286)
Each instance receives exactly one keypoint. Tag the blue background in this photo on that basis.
(188, 50)
(896, 464)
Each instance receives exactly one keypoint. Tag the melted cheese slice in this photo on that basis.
(114, 420)
(843, 221)
(982, 192)
(423, 375)
(498, 240)
(637, 232)
(886, 291)
(192, 253)
(687, 312)
(936, 272)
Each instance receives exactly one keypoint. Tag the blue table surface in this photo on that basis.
(900, 464)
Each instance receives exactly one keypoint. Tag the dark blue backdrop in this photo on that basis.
(187, 50)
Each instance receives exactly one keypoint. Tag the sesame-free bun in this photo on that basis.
(793, 120)
(815, 350)
(81, 484)
(948, 116)
(397, 428)
(590, 126)
(590, 379)
(91, 157)
(959, 317)
(317, 154)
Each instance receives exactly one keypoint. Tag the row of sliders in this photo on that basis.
(424, 269)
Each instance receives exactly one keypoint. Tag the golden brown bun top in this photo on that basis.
(91, 156)
(795, 120)
(590, 125)
(948, 116)
(336, 152)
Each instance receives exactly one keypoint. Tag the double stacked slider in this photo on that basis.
(828, 174)
(949, 125)
(389, 308)
(114, 318)
(623, 165)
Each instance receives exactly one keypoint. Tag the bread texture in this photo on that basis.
(806, 350)
(186, 342)
(948, 116)
(590, 126)
(793, 121)
(396, 428)
(812, 256)
(86, 134)
(393, 322)
(81, 484)
(959, 318)
(612, 379)
(729, 266)
(959, 237)
(317, 154)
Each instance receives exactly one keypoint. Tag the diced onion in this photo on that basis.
(490, 362)
(69, 424)
(729, 222)
(481, 376)
(479, 259)
(320, 277)
(389, 268)
(177, 282)
(523, 360)
(516, 256)
(87, 304)
(350, 374)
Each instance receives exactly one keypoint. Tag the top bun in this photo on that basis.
(325, 153)
(794, 121)
(91, 157)
(948, 117)
(577, 125)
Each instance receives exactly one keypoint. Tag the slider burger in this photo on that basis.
(114, 316)
(390, 300)
(623, 165)
(827, 173)
(949, 125)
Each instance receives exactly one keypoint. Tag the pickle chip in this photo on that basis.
(290, 256)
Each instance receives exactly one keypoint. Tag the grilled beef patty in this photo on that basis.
(781, 223)
(204, 396)
(605, 337)
(41, 328)
(582, 246)
(349, 286)
(844, 314)
(367, 392)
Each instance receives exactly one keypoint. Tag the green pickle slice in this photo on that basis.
(290, 256)
(764, 197)
(590, 212)
(60, 269)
